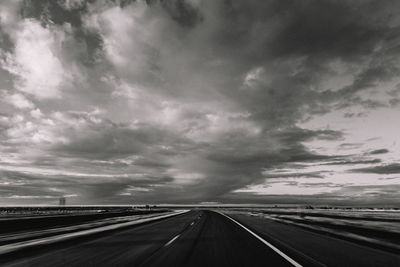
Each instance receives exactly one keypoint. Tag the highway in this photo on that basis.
(206, 238)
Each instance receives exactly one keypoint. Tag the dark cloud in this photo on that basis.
(56, 13)
(52, 12)
(235, 164)
(371, 76)
(295, 175)
(379, 151)
(293, 135)
(383, 169)
(183, 12)
(313, 28)
(107, 140)
(314, 32)
(352, 162)
(394, 102)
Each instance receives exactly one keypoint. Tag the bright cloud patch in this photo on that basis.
(35, 61)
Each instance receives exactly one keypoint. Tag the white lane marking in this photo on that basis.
(283, 255)
(172, 240)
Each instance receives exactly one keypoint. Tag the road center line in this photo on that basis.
(172, 240)
(283, 255)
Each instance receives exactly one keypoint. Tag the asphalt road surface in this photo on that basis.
(207, 238)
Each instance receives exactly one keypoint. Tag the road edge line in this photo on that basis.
(283, 255)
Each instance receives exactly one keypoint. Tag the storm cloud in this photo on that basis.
(184, 101)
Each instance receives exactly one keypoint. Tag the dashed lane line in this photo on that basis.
(172, 240)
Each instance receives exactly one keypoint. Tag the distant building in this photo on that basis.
(62, 201)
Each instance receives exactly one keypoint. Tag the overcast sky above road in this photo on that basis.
(190, 101)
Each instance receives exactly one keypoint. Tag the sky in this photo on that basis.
(192, 101)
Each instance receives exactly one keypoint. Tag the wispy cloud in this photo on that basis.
(382, 169)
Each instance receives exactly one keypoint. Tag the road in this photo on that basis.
(207, 238)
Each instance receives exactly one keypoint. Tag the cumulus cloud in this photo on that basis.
(37, 67)
(19, 101)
